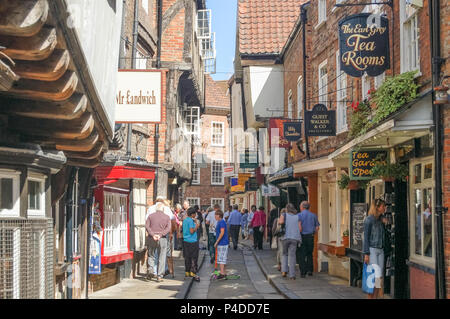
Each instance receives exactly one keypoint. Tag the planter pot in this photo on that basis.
(388, 179)
(353, 185)
(345, 241)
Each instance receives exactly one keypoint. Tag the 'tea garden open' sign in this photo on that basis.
(364, 44)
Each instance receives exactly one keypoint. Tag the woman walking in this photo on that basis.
(258, 224)
(290, 240)
(374, 244)
(278, 237)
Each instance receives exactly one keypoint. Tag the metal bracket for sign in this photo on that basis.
(389, 3)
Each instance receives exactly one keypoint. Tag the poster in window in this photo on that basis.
(95, 267)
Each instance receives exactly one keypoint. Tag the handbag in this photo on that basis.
(281, 229)
(368, 279)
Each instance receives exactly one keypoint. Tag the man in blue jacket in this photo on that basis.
(310, 225)
(234, 221)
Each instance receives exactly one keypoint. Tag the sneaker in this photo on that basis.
(192, 274)
(187, 274)
(221, 277)
(196, 278)
(159, 279)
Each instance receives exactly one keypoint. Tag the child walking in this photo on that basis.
(221, 244)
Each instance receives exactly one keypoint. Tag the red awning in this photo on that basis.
(123, 172)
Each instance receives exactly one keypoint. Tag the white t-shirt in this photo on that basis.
(211, 218)
(166, 211)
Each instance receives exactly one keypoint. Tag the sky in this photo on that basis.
(223, 20)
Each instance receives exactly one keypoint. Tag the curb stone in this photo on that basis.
(186, 287)
(281, 288)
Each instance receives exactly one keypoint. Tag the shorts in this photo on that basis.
(376, 258)
(222, 254)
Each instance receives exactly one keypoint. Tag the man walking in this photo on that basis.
(158, 226)
(310, 225)
(234, 221)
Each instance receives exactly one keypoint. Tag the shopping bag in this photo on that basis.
(368, 278)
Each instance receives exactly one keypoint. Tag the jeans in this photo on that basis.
(279, 250)
(306, 254)
(288, 259)
(211, 242)
(234, 230)
(157, 254)
(376, 257)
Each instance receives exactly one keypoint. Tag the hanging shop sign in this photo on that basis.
(248, 160)
(270, 190)
(320, 121)
(364, 44)
(228, 170)
(238, 184)
(138, 97)
(362, 162)
(292, 131)
(276, 136)
(251, 184)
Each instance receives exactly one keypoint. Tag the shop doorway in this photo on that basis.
(332, 212)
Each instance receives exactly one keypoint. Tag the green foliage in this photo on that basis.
(390, 96)
(345, 233)
(394, 93)
(387, 170)
(343, 181)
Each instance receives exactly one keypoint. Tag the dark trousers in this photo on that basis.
(234, 230)
(211, 242)
(191, 251)
(306, 254)
(257, 238)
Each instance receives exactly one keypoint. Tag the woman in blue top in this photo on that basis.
(190, 243)
(221, 243)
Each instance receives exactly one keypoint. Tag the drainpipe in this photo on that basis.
(436, 62)
(304, 19)
(69, 230)
(158, 66)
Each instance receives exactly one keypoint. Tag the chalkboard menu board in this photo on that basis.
(357, 216)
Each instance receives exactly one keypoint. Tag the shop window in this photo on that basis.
(115, 211)
(219, 201)
(9, 193)
(422, 212)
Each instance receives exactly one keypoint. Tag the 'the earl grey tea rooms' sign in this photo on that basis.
(364, 44)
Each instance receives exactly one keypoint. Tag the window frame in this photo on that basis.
(422, 185)
(321, 13)
(300, 97)
(322, 89)
(15, 176)
(117, 226)
(290, 106)
(41, 211)
(222, 143)
(193, 201)
(341, 96)
(365, 80)
(195, 168)
(405, 42)
(212, 172)
(222, 200)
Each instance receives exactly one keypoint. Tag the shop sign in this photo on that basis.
(276, 130)
(362, 162)
(248, 160)
(292, 131)
(251, 184)
(320, 121)
(228, 170)
(238, 184)
(270, 190)
(364, 44)
(138, 97)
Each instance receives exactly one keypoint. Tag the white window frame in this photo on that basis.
(192, 121)
(365, 86)
(322, 88)
(41, 211)
(300, 97)
(145, 5)
(290, 110)
(321, 13)
(193, 201)
(341, 96)
(424, 184)
(406, 42)
(141, 60)
(213, 182)
(114, 226)
(379, 80)
(196, 169)
(15, 176)
(213, 133)
(220, 201)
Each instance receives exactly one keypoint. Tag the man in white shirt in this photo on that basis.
(212, 222)
(168, 212)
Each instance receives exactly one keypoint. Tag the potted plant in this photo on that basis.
(345, 238)
(390, 172)
(345, 182)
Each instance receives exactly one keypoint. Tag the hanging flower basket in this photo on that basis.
(353, 185)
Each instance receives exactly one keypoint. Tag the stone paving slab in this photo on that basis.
(318, 286)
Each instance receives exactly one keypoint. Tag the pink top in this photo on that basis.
(259, 219)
